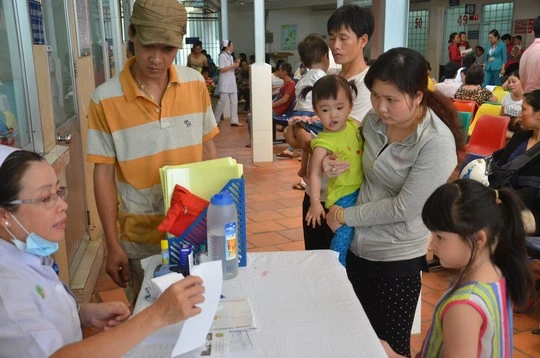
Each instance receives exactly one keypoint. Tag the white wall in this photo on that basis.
(241, 28)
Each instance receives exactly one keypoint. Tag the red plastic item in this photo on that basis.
(488, 135)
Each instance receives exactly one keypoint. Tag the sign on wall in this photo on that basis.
(36, 21)
(520, 26)
(289, 37)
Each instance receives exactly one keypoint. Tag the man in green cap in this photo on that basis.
(153, 114)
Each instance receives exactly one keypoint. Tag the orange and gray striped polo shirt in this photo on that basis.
(127, 129)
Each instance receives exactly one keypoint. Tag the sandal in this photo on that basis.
(298, 186)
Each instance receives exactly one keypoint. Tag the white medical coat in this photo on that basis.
(37, 315)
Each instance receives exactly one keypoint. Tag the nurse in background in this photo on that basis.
(228, 92)
(39, 316)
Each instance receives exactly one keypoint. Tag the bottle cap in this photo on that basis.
(164, 244)
(223, 198)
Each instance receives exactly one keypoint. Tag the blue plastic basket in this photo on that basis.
(195, 234)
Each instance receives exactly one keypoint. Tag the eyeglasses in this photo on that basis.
(48, 201)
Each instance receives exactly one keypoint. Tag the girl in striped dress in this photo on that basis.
(478, 231)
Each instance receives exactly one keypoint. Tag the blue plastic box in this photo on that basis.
(195, 234)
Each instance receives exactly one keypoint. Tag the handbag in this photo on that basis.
(184, 210)
(507, 175)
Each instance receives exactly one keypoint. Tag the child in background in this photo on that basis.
(478, 231)
(333, 101)
(313, 51)
(210, 85)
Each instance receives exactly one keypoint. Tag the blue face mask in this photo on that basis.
(34, 244)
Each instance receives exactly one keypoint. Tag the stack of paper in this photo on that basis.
(202, 178)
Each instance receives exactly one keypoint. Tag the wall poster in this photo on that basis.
(289, 37)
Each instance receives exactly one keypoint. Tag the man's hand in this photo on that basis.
(103, 315)
(117, 265)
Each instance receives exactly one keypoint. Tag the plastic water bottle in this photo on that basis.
(222, 224)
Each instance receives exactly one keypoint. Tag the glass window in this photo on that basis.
(418, 31)
(62, 86)
(498, 17)
(15, 129)
(206, 28)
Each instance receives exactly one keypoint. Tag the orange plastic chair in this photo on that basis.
(466, 106)
(488, 136)
(486, 108)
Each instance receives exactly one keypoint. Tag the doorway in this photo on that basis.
(63, 90)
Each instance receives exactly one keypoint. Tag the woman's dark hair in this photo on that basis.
(12, 171)
(465, 207)
(495, 33)
(480, 48)
(353, 17)
(533, 99)
(406, 69)
(474, 75)
(278, 65)
(197, 44)
(451, 37)
(514, 73)
(468, 60)
(327, 87)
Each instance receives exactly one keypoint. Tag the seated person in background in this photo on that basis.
(286, 94)
(480, 57)
(449, 86)
(313, 51)
(300, 71)
(468, 61)
(277, 82)
(522, 141)
(39, 315)
(210, 85)
(472, 89)
(511, 103)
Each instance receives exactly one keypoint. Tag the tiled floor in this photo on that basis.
(274, 223)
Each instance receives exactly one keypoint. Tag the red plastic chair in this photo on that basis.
(466, 106)
(488, 135)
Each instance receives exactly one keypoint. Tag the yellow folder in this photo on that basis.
(202, 178)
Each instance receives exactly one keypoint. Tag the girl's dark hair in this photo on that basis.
(495, 33)
(474, 75)
(328, 87)
(451, 37)
(466, 207)
(407, 70)
(11, 172)
(533, 99)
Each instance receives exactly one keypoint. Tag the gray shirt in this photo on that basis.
(398, 180)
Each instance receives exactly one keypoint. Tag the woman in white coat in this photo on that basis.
(227, 83)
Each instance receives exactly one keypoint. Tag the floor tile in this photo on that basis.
(267, 239)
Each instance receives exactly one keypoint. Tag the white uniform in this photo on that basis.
(362, 102)
(37, 315)
(227, 89)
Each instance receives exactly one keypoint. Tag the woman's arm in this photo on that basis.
(176, 304)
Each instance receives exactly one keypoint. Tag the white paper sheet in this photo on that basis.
(195, 329)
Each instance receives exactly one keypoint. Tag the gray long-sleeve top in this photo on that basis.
(398, 180)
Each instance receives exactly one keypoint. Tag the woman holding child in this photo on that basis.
(411, 137)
